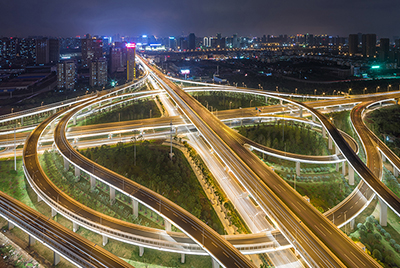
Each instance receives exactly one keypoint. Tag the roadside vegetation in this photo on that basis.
(154, 169)
(298, 138)
(227, 100)
(378, 242)
(138, 109)
(386, 122)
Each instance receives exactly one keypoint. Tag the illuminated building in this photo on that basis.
(98, 73)
(130, 61)
(66, 74)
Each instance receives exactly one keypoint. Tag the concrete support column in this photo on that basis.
(75, 227)
(301, 112)
(112, 195)
(66, 164)
(54, 111)
(92, 182)
(141, 251)
(56, 258)
(182, 257)
(39, 199)
(215, 264)
(337, 150)
(395, 171)
(281, 102)
(266, 99)
(53, 212)
(32, 240)
(22, 121)
(167, 225)
(337, 167)
(10, 225)
(74, 120)
(352, 223)
(383, 158)
(313, 117)
(77, 171)
(344, 168)
(323, 132)
(105, 240)
(135, 207)
(351, 175)
(383, 213)
(330, 142)
(297, 169)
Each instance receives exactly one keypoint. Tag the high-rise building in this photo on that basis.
(66, 74)
(47, 51)
(92, 49)
(192, 41)
(384, 49)
(206, 42)
(369, 45)
(130, 61)
(353, 44)
(172, 43)
(98, 73)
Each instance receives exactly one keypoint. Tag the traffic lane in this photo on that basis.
(236, 147)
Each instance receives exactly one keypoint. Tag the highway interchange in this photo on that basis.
(316, 254)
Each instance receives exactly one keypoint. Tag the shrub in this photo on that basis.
(377, 254)
(387, 236)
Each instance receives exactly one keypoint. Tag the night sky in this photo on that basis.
(206, 17)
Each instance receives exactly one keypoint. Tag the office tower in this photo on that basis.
(309, 39)
(206, 42)
(98, 73)
(222, 42)
(66, 74)
(92, 49)
(353, 44)
(47, 51)
(384, 49)
(172, 43)
(130, 61)
(192, 41)
(369, 45)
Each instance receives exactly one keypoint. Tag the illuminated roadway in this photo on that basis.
(249, 170)
(212, 242)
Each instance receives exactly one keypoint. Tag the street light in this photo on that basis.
(295, 90)
(250, 102)
(277, 89)
(230, 106)
(365, 89)
(15, 147)
(315, 91)
(389, 87)
(377, 88)
(349, 90)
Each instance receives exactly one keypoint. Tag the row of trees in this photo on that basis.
(288, 137)
(386, 121)
(371, 234)
(139, 109)
(227, 100)
(154, 169)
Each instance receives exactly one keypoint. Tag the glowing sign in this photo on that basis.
(375, 67)
(185, 71)
(130, 45)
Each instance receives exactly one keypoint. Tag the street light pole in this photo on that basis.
(15, 151)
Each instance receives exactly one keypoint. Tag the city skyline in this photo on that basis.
(161, 18)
